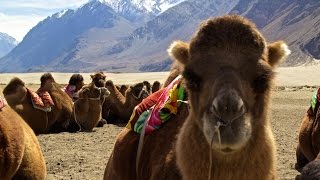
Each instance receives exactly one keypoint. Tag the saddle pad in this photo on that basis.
(157, 108)
(41, 100)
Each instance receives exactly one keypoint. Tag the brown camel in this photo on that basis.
(99, 79)
(120, 106)
(123, 88)
(155, 86)
(309, 144)
(88, 107)
(20, 153)
(227, 70)
(60, 118)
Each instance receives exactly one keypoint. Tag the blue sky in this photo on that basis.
(17, 17)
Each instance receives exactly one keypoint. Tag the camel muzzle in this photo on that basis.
(228, 107)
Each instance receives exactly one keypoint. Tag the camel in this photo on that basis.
(99, 79)
(308, 147)
(122, 89)
(60, 118)
(155, 86)
(88, 107)
(20, 153)
(227, 70)
(121, 106)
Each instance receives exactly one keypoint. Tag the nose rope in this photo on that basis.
(226, 124)
(144, 89)
(216, 130)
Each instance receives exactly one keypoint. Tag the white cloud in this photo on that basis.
(16, 19)
(41, 4)
(18, 26)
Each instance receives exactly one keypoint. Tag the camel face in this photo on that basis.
(99, 79)
(139, 91)
(93, 92)
(226, 66)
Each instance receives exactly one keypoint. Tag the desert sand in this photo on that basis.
(84, 155)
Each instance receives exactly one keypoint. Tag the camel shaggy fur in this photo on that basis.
(20, 153)
(122, 106)
(99, 79)
(88, 107)
(155, 86)
(59, 119)
(227, 70)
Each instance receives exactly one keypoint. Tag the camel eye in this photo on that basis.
(193, 81)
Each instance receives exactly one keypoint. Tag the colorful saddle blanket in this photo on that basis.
(41, 100)
(158, 108)
(3, 102)
(314, 103)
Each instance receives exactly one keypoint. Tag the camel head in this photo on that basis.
(228, 72)
(15, 91)
(155, 86)
(93, 92)
(147, 86)
(46, 78)
(138, 91)
(99, 79)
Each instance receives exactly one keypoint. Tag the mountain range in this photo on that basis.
(7, 43)
(133, 35)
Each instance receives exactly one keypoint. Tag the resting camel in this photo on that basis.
(59, 119)
(227, 70)
(99, 79)
(20, 153)
(88, 107)
(122, 89)
(121, 106)
(155, 86)
(309, 143)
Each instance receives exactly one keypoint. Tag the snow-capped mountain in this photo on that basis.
(97, 37)
(54, 41)
(7, 43)
(141, 10)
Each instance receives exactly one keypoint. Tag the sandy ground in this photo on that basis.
(84, 155)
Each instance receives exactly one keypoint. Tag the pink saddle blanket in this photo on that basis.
(41, 100)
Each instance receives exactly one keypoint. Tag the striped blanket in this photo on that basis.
(41, 100)
(158, 108)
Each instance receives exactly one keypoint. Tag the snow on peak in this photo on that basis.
(61, 13)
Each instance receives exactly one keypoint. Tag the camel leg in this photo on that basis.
(301, 159)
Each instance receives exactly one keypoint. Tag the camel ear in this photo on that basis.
(179, 51)
(91, 76)
(277, 52)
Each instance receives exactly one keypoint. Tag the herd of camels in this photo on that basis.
(220, 131)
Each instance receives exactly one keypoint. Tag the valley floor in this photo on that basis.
(84, 155)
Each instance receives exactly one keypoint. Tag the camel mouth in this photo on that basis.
(227, 137)
(227, 150)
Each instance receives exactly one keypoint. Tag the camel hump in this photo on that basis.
(13, 85)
